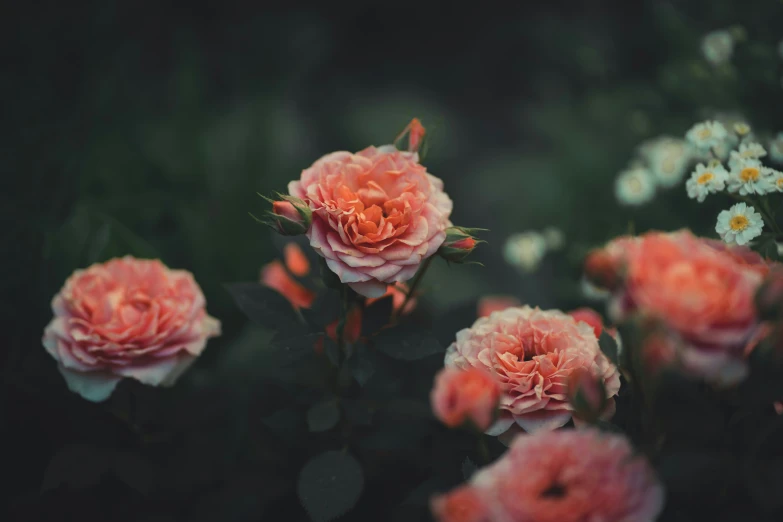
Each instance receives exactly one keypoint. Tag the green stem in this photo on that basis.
(413, 287)
(765, 206)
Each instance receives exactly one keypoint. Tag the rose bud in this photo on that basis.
(465, 396)
(601, 269)
(587, 395)
(460, 242)
(416, 134)
(769, 297)
(289, 216)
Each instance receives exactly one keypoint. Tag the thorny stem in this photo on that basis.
(413, 287)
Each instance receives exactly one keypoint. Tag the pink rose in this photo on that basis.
(703, 293)
(494, 303)
(565, 476)
(377, 215)
(460, 396)
(532, 353)
(127, 318)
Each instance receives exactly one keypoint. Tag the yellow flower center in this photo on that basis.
(705, 133)
(749, 174)
(704, 178)
(738, 223)
(779, 182)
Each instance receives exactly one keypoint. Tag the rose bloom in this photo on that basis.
(465, 395)
(532, 353)
(701, 291)
(377, 215)
(130, 318)
(494, 303)
(565, 476)
(464, 504)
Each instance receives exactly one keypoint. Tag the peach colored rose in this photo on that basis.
(464, 504)
(130, 318)
(465, 395)
(705, 294)
(377, 215)
(532, 353)
(566, 476)
(275, 276)
(494, 303)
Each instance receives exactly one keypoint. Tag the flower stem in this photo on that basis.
(342, 321)
(414, 285)
(483, 450)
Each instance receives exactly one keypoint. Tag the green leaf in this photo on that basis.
(608, 346)
(287, 348)
(407, 343)
(377, 315)
(135, 470)
(769, 249)
(323, 416)
(263, 305)
(329, 485)
(358, 412)
(324, 310)
(361, 365)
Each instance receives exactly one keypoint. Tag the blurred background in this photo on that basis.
(147, 128)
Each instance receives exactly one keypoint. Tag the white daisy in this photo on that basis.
(706, 180)
(717, 47)
(747, 176)
(739, 224)
(750, 150)
(667, 159)
(707, 134)
(634, 186)
(776, 148)
(775, 178)
(525, 250)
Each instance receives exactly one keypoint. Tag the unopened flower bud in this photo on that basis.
(289, 216)
(601, 270)
(459, 243)
(587, 395)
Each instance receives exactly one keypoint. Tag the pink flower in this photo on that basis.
(495, 303)
(704, 293)
(464, 504)
(565, 476)
(377, 215)
(460, 396)
(127, 318)
(591, 317)
(532, 353)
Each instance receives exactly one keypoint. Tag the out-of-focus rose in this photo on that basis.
(377, 215)
(705, 294)
(129, 318)
(532, 353)
(277, 277)
(460, 396)
(659, 351)
(495, 303)
(565, 476)
(742, 255)
(464, 504)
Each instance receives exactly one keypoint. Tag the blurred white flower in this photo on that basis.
(775, 178)
(554, 238)
(739, 224)
(742, 128)
(707, 135)
(717, 47)
(634, 186)
(747, 176)
(776, 148)
(706, 180)
(667, 158)
(525, 250)
(750, 150)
